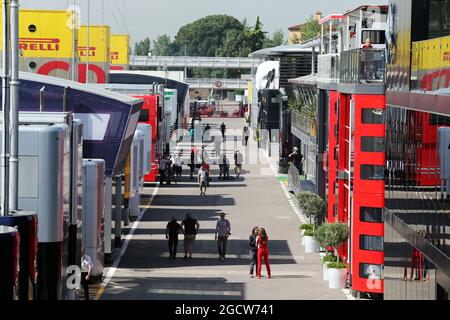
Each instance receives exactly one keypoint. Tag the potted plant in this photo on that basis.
(321, 236)
(302, 198)
(313, 207)
(326, 261)
(337, 233)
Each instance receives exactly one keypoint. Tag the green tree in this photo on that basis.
(311, 29)
(277, 39)
(163, 46)
(204, 36)
(142, 48)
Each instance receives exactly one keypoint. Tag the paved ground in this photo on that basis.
(255, 199)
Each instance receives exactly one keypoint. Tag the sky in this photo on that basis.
(150, 18)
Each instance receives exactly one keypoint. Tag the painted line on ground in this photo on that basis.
(129, 236)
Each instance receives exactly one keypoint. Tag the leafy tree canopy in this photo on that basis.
(163, 46)
(204, 36)
(142, 48)
(311, 29)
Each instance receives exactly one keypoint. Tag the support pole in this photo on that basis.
(65, 99)
(108, 218)
(88, 40)
(118, 213)
(72, 76)
(5, 110)
(14, 115)
(41, 99)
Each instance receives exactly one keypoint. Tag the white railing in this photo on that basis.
(205, 83)
(191, 62)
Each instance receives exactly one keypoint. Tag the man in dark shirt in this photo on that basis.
(222, 129)
(297, 159)
(172, 230)
(190, 229)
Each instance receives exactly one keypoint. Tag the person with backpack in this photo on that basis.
(221, 234)
(253, 250)
(263, 252)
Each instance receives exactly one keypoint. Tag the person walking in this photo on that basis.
(172, 230)
(222, 129)
(263, 252)
(253, 250)
(221, 234)
(207, 133)
(190, 228)
(86, 269)
(245, 135)
(192, 133)
(177, 167)
(225, 168)
(238, 159)
(192, 164)
(202, 180)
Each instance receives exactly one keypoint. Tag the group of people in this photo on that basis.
(189, 227)
(259, 251)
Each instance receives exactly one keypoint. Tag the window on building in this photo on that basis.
(372, 172)
(373, 215)
(372, 243)
(438, 18)
(144, 116)
(372, 144)
(370, 271)
(372, 116)
(376, 36)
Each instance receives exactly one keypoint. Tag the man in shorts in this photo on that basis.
(190, 228)
(202, 180)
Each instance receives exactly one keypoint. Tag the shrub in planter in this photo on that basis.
(303, 197)
(329, 258)
(311, 245)
(305, 227)
(337, 265)
(313, 207)
(337, 233)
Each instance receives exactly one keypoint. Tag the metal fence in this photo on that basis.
(328, 67)
(359, 66)
(293, 179)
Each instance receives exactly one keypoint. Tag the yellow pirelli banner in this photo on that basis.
(47, 39)
(45, 34)
(99, 44)
(120, 51)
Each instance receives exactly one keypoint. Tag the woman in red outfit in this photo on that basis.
(263, 252)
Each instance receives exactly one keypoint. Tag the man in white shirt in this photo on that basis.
(86, 268)
(223, 230)
(202, 180)
(177, 166)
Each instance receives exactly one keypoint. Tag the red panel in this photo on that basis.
(150, 104)
(332, 162)
(367, 193)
